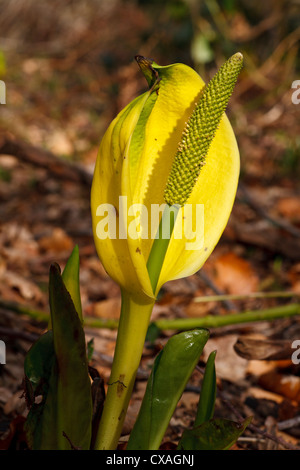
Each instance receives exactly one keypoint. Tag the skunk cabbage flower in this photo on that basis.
(172, 150)
(172, 145)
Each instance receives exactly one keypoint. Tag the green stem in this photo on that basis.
(211, 321)
(252, 295)
(133, 325)
(132, 330)
(24, 310)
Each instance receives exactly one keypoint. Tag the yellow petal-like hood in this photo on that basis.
(134, 161)
(106, 190)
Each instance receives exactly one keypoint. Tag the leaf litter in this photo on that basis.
(62, 102)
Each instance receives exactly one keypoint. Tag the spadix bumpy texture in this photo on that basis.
(138, 153)
(199, 132)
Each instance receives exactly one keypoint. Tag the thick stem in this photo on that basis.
(133, 325)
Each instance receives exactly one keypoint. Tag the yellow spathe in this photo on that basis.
(134, 161)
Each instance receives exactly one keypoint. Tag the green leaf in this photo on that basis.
(70, 277)
(65, 415)
(216, 434)
(90, 349)
(38, 366)
(171, 371)
(206, 404)
(153, 333)
(38, 363)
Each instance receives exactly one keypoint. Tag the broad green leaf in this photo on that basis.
(73, 400)
(38, 366)
(216, 434)
(40, 426)
(206, 404)
(38, 363)
(70, 277)
(171, 371)
(66, 413)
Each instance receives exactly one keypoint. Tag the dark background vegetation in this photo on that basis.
(69, 68)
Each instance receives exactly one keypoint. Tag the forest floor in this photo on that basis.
(58, 107)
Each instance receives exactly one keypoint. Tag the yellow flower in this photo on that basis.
(170, 145)
(170, 148)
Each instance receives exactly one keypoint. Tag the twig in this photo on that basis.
(70, 442)
(10, 145)
(10, 333)
(265, 237)
(252, 427)
(294, 231)
(226, 302)
(278, 439)
(289, 423)
(260, 76)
